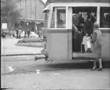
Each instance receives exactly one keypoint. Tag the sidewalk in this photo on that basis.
(9, 47)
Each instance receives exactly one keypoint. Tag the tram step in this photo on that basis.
(83, 56)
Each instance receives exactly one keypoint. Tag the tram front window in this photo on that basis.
(105, 17)
(83, 19)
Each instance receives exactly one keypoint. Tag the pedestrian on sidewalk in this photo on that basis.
(97, 46)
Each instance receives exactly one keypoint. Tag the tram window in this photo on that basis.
(105, 17)
(58, 18)
(61, 18)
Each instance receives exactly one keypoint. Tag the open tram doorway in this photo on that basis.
(83, 19)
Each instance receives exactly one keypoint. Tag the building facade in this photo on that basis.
(31, 9)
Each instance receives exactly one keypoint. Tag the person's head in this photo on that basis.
(92, 13)
(87, 34)
(79, 14)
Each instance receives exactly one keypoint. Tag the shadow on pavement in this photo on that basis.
(56, 67)
(78, 65)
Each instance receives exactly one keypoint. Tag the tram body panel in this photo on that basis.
(58, 47)
(106, 44)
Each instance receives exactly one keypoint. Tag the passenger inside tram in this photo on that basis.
(86, 43)
(83, 21)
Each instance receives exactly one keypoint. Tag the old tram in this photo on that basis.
(59, 26)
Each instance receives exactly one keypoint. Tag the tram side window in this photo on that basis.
(58, 18)
(61, 18)
(105, 17)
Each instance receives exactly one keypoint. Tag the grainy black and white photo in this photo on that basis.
(55, 44)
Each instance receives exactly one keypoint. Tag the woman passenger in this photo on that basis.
(97, 46)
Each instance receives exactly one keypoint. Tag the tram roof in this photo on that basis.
(63, 1)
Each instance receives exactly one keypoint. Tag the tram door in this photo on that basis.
(83, 19)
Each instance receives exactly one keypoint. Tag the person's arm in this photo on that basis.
(76, 29)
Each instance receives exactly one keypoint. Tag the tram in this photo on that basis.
(59, 26)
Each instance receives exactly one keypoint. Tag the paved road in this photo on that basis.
(8, 46)
(24, 73)
(28, 74)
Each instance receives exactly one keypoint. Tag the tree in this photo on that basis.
(9, 12)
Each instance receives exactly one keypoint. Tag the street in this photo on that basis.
(22, 72)
(8, 46)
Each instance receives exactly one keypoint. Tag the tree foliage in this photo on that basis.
(9, 12)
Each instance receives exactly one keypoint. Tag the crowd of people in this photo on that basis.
(83, 24)
(87, 37)
(24, 29)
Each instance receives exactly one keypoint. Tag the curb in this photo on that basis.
(22, 54)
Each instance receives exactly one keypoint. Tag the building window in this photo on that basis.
(105, 17)
(58, 18)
